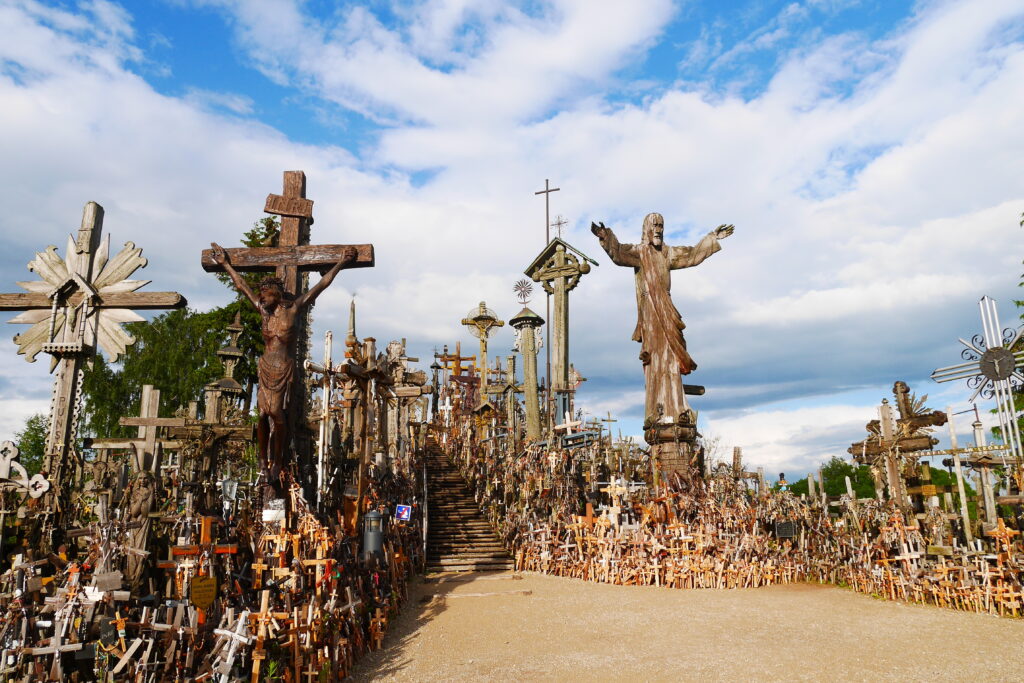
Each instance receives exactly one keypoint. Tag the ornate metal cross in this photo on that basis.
(992, 370)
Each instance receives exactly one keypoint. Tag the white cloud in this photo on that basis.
(874, 185)
(236, 104)
(521, 63)
(781, 439)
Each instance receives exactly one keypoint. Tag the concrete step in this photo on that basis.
(469, 560)
(462, 538)
(457, 521)
(468, 557)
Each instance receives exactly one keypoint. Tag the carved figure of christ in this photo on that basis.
(277, 366)
(659, 327)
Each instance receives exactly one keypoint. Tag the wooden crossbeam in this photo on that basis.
(306, 258)
(141, 301)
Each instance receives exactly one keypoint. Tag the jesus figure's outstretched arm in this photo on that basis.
(620, 254)
(220, 257)
(687, 257)
(310, 296)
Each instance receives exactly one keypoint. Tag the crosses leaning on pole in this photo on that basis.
(76, 308)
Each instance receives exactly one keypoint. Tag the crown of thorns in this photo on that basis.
(272, 282)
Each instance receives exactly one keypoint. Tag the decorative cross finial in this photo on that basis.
(523, 290)
(559, 223)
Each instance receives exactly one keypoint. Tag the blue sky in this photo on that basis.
(868, 152)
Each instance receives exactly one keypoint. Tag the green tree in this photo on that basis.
(176, 352)
(835, 472)
(31, 442)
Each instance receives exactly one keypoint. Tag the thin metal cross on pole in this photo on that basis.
(560, 223)
(547, 323)
(547, 208)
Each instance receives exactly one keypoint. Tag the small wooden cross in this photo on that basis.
(258, 567)
(453, 362)
(262, 618)
(1003, 535)
(378, 627)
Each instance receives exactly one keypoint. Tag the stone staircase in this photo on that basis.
(459, 538)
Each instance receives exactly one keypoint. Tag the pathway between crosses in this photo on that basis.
(572, 630)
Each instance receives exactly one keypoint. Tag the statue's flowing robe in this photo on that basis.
(659, 327)
(275, 371)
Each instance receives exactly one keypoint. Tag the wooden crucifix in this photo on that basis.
(282, 305)
(76, 307)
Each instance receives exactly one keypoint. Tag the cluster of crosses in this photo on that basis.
(169, 553)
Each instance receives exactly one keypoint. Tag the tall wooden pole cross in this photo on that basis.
(293, 254)
(289, 260)
(79, 305)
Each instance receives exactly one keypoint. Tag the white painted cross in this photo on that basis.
(240, 636)
(569, 423)
(327, 372)
(446, 408)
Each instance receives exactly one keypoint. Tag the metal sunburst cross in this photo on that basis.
(992, 370)
(524, 290)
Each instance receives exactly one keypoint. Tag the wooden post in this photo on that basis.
(853, 501)
(526, 324)
(559, 268)
(964, 516)
(78, 306)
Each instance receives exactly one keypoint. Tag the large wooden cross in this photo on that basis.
(77, 307)
(289, 260)
(293, 254)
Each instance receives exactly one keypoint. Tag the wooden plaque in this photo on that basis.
(203, 591)
(108, 632)
(297, 207)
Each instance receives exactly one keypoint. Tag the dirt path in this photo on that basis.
(574, 630)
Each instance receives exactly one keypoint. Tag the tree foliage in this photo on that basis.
(31, 442)
(835, 472)
(176, 352)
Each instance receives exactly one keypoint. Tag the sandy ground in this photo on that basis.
(569, 630)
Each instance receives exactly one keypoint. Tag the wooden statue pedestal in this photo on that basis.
(673, 444)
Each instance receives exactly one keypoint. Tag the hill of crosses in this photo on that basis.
(277, 541)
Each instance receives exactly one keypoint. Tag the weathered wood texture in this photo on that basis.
(295, 207)
(135, 300)
(308, 258)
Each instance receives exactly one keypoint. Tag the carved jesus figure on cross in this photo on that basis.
(277, 366)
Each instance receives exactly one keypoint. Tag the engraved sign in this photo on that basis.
(204, 590)
(299, 207)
